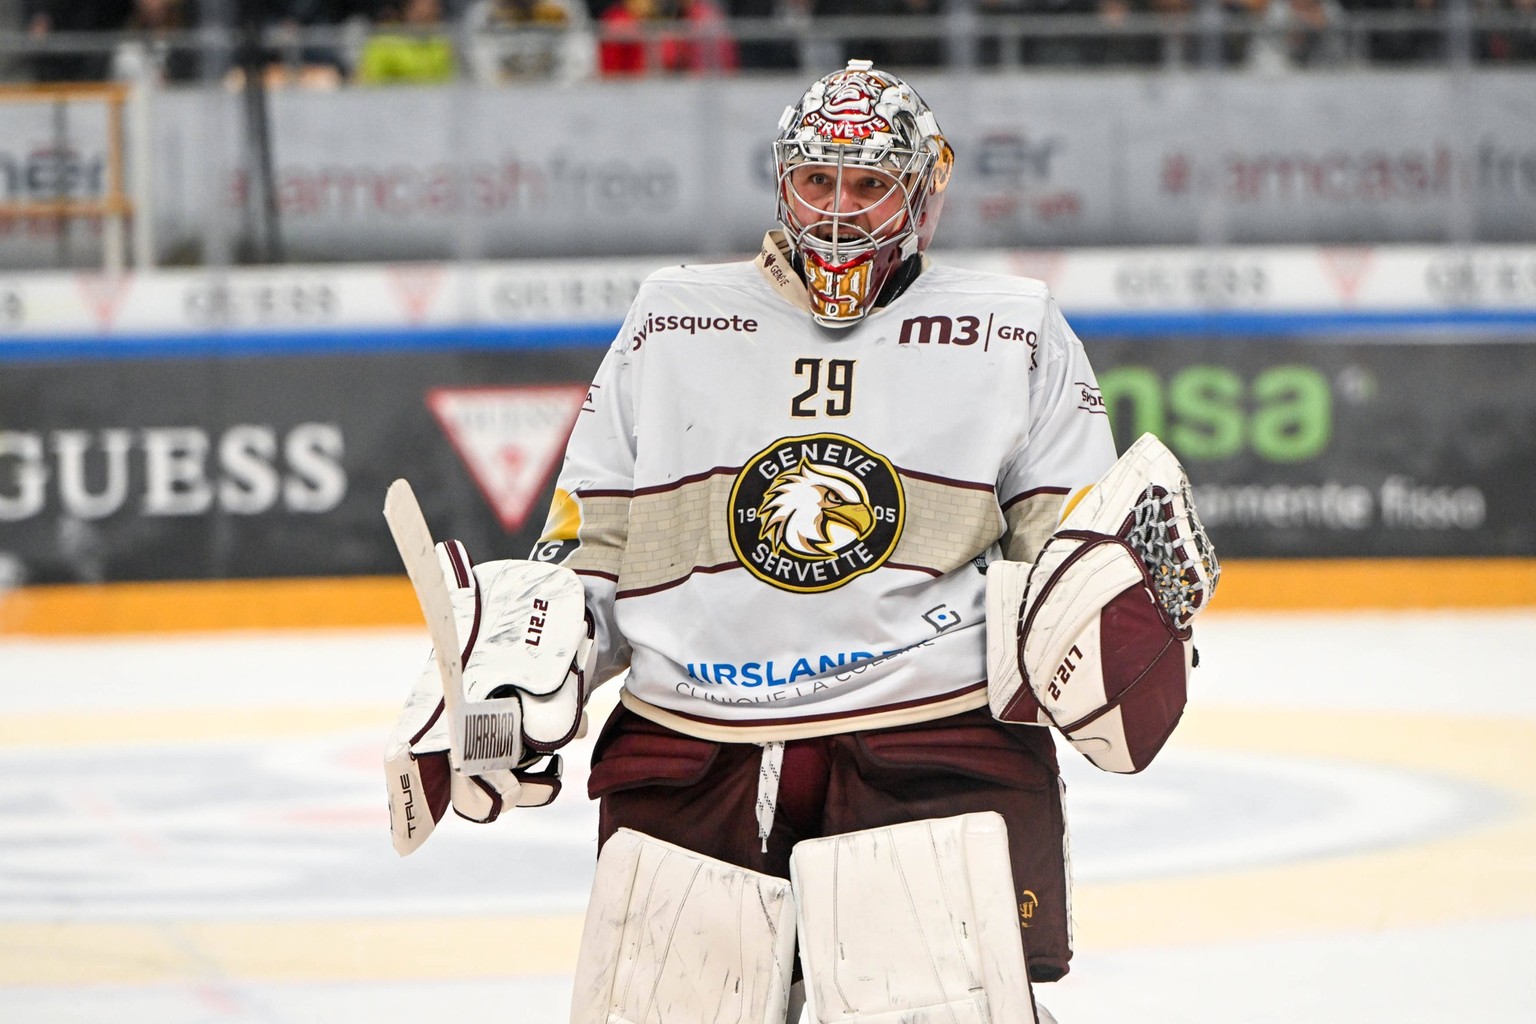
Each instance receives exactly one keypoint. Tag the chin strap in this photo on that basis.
(900, 280)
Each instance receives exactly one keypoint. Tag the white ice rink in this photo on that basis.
(192, 829)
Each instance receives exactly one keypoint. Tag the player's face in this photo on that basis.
(825, 197)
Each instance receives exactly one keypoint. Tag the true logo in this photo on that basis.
(408, 804)
(810, 513)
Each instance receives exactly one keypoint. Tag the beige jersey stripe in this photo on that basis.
(1031, 521)
(675, 531)
(947, 525)
(603, 531)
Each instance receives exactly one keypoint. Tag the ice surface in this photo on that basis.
(193, 829)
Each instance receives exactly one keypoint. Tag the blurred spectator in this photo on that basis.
(44, 18)
(331, 12)
(1316, 36)
(856, 47)
(1103, 45)
(1058, 50)
(291, 45)
(1292, 34)
(769, 53)
(151, 49)
(1398, 45)
(912, 51)
(419, 51)
(1179, 46)
(11, 20)
(518, 39)
(710, 47)
(1199, 42)
(312, 61)
(1119, 47)
(635, 41)
(1511, 45)
(621, 50)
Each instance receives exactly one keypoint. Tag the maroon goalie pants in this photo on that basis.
(702, 796)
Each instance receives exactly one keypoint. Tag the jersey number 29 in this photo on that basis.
(837, 381)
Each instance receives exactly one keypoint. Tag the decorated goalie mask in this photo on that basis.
(861, 171)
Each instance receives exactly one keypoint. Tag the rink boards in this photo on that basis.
(1364, 403)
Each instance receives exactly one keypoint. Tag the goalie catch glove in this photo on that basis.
(1102, 626)
(525, 634)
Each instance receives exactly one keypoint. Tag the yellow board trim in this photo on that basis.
(1387, 583)
(348, 602)
(203, 605)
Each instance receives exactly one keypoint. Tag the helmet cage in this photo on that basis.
(853, 122)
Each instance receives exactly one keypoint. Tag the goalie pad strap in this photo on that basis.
(916, 922)
(674, 935)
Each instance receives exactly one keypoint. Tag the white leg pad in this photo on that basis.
(672, 937)
(914, 923)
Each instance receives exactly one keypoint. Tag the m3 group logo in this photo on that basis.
(810, 513)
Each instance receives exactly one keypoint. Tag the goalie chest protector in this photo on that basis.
(785, 524)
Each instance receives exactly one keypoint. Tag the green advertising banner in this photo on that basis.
(1336, 447)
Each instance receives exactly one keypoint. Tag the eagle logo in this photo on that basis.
(814, 511)
(811, 513)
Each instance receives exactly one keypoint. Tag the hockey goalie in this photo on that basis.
(816, 514)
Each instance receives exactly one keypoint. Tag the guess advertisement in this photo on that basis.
(189, 469)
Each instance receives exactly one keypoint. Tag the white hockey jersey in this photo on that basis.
(783, 528)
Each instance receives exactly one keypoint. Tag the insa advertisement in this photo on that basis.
(1328, 446)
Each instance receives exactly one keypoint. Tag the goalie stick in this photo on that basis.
(483, 735)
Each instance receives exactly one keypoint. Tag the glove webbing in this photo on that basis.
(1174, 561)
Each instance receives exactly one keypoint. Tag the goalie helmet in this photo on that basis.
(861, 169)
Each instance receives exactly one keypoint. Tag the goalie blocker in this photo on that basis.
(527, 644)
(1095, 636)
